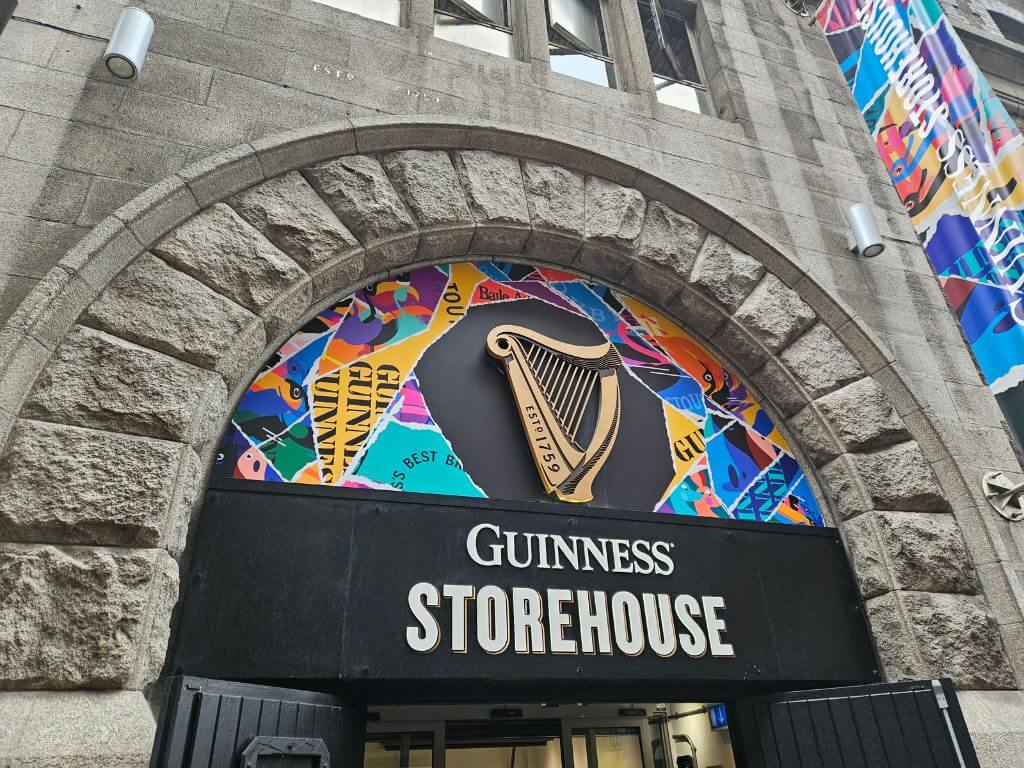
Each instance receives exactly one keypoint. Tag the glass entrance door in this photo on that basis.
(399, 750)
(491, 744)
(573, 735)
(609, 747)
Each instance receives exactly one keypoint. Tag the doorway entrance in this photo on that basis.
(224, 724)
(550, 735)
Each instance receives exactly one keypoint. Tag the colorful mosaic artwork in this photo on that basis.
(956, 159)
(354, 399)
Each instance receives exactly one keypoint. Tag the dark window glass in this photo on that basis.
(487, 12)
(383, 752)
(576, 24)
(677, 78)
(577, 41)
(399, 750)
(668, 43)
(1012, 29)
(607, 748)
(480, 24)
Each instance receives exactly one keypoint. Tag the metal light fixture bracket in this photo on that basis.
(1005, 496)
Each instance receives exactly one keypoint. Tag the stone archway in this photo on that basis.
(121, 369)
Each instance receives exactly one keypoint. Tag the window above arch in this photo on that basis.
(678, 76)
(577, 41)
(482, 24)
(388, 11)
(1012, 28)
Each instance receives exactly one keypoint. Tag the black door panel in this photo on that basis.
(898, 725)
(211, 723)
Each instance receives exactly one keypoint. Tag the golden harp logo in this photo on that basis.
(554, 386)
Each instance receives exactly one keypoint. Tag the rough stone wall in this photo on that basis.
(789, 155)
(76, 143)
(171, 331)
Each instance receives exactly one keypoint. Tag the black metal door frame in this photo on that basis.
(592, 724)
(567, 726)
(404, 728)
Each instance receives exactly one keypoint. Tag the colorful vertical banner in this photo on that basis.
(957, 161)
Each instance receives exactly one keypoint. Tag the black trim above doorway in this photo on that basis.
(542, 508)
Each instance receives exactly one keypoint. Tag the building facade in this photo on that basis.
(162, 239)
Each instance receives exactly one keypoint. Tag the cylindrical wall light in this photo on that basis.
(863, 236)
(129, 43)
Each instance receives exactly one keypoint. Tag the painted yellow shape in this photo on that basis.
(776, 437)
(309, 476)
(786, 511)
(686, 441)
(348, 402)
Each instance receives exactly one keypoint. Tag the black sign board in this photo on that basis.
(417, 596)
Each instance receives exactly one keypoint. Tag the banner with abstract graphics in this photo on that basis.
(957, 161)
(393, 389)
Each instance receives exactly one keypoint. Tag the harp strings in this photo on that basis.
(567, 386)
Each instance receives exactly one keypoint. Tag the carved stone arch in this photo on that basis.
(122, 368)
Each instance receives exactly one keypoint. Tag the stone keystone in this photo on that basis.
(296, 219)
(429, 185)
(555, 196)
(362, 195)
(614, 214)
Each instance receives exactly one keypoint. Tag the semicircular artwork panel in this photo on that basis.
(583, 394)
